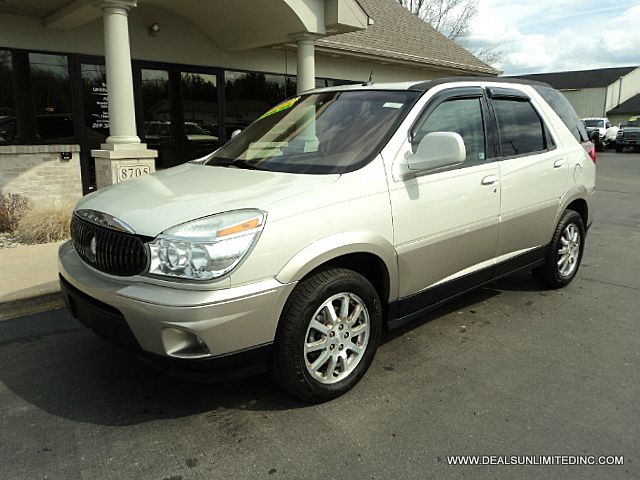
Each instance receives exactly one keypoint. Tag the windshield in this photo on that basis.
(594, 123)
(632, 122)
(328, 132)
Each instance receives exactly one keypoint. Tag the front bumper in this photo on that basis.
(233, 322)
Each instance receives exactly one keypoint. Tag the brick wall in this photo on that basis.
(39, 173)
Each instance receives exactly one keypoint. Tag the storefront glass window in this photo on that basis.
(155, 96)
(7, 110)
(40, 110)
(200, 103)
(180, 114)
(249, 94)
(200, 112)
(156, 109)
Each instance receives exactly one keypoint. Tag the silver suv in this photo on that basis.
(336, 214)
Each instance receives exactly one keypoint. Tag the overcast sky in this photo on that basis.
(548, 36)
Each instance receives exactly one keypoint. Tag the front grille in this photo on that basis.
(632, 135)
(107, 250)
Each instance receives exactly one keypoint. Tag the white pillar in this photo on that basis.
(123, 156)
(306, 64)
(122, 115)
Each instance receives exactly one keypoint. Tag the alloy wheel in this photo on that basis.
(569, 250)
(336, 338)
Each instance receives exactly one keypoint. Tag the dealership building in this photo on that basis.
(91, 90)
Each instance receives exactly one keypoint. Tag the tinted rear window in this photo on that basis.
(565, 111)
(520, 128)
(594, 123)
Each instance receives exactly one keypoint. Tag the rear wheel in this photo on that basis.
(564, 253)
(328, 335)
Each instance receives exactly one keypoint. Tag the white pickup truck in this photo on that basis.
(606, 132)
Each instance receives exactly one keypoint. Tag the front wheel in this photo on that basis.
(328, 335)
(564, 253)
(619, 148)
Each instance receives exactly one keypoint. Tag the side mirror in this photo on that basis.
(235, 133)
(438, 150)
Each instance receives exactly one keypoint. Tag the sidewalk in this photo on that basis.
(29, 280)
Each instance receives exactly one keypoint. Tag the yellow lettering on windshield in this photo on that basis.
(283, 106)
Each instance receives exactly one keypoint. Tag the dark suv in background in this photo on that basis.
(629, 135)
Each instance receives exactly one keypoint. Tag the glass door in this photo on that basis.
(178, 111)
(199, 93)
(94, 124)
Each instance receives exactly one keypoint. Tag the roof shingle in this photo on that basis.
(398, 35)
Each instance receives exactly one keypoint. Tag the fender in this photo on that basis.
(575, 192)
(328, 248)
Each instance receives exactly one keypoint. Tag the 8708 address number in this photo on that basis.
(128, 172)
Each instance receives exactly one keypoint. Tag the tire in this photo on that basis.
(619, 148)
(552, 274)
(305, 324)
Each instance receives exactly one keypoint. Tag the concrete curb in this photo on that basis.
(29, 306)
(29, 280)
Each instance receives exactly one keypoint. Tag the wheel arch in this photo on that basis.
(580, 206)
(369, 254)
(578, 200)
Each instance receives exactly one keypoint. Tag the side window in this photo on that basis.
(520, 128)
(462, 116)
(565, 111)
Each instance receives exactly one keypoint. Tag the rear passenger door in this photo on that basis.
(534, 174)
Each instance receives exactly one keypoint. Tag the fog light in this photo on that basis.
(183, 344)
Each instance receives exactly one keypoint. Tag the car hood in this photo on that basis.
(154, 203)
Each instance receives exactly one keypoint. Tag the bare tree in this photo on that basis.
(452, 18)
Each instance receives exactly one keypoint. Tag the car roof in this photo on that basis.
(425, 85)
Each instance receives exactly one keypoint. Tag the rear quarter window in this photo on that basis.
(565, 111)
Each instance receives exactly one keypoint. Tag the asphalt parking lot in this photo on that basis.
(506, 370)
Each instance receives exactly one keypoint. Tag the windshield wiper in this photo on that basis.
(236, 163)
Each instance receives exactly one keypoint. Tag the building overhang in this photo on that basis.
(232, 25)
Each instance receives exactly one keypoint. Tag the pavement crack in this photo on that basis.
(595, 280)
(616, 191)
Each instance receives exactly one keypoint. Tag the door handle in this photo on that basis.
(490, 180)
(559, 163)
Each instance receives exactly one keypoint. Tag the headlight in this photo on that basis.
(206, 248)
